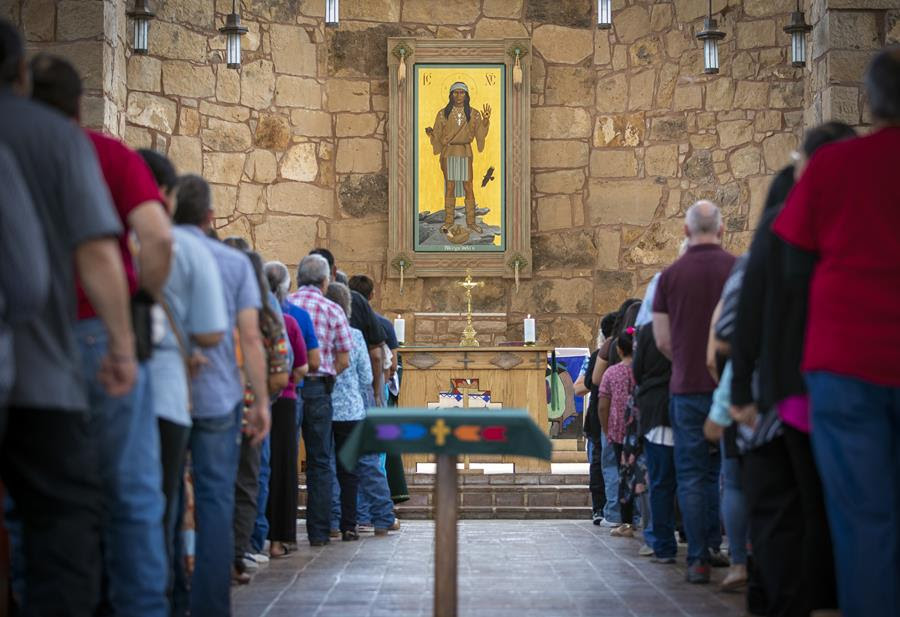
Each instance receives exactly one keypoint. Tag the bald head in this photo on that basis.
(703, 222)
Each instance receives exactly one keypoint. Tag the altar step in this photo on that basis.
(567, 451)
(498, 496)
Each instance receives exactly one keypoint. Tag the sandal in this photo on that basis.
(278, 549)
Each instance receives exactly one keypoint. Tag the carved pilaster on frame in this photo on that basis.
(517, 162)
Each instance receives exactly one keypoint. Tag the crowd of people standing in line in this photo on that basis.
(179, 391)
(762, 392)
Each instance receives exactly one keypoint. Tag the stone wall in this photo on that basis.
(92, 35)
(627, 131)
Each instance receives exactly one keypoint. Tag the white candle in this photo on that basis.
(400, 329)
(529, 329)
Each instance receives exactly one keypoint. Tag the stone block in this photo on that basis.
(186, 154)
(661, 161)
(151, 111)
(892, 27)
(657, 245)
(371, 10)
(144, 73)
(38, 19)
(230, 113)
(78, 19)
(223, 168)
(293, 91)
(572, 13)
(300, 163)
(499, 29)
(567, 181)
(285, 238)
(346, 95)
(509, 9)
(356, 155)
(257, 84)
(677, 42)
(311, 123)
(751, 94)
(602, 50)
(689, 10)
(759, 33)
(623, 202)
(620, 58)
(137, 137)
(786, 94)
(359, 239)
(846, 66)
(852, 30)
(745, 161)
(554, 212)
(239, 227)
(640, 90)
(661, 16)
(558, 154)
(355, 125)
(430, 12)
(261, 166)
(720, 94)
(613, 164)
(668, 128)
(617, 131)
(699, 167)
(570, 86)
(188, 121)
(224, 200)
(768, 120)
(300, 198)
(612, 93)
(364, 195)
(228, 85)
(251, 198)
(841, 103)
(292, 52)
(361, 52)
(735, 132)
(777, 150)
(632, 24)
(175, 42)
(560, 123)
(273, 132)
(688, 97)
(563, 250)
(226, 136)
(87, 58)
(563, 45)
(198, 14)
(645, 52)
(607, 242)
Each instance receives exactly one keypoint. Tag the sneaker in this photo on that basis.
(645, 551)
(260, 558)
(607, 523)
(662, 560)
(597, 518)
(334, 533)
(698, 574)
(736, 578)
(395, 526)
(365, 528)
(239, 578)
(622, 531)
(718, 559)
(349, 536)
(249, 565)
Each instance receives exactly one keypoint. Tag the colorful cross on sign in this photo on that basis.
(440, 432)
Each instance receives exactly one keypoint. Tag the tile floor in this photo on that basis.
(506, 569)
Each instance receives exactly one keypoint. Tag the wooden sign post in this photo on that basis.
(445, 538)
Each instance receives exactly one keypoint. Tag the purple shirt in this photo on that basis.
(688, 292)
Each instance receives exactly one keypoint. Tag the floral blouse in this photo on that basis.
(617, 385)
(347, 396)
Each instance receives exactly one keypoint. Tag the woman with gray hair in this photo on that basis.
(279, 279)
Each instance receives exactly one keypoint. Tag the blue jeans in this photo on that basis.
(261, 528)
(215, 444)
(856, 442)
(697, 465)
(660, 536)
(734, 509)
(131, 474)
(316, 428)
(374, 495)
(611, 511)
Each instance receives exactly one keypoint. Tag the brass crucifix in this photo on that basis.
(468, 339)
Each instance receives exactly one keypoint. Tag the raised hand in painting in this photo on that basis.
(486, 111)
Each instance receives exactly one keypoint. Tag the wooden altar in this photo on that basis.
(486, 377)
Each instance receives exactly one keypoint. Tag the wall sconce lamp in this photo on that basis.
(141, 16)
(604, 14)
(233, 31)
(332, 10)
(710, 37)
(798, 29)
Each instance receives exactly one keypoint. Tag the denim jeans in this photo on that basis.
(374, 492)
(316, 429)
(134, 560)
(660, 535)
(697, 465)
(261, 528)
(611, 511)
(214, 445)
(734, 509)
(856, 442)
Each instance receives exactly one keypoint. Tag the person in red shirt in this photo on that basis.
(846, 210)
(134, 559)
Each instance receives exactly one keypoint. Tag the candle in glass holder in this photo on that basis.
(529, 330)
(400, 329)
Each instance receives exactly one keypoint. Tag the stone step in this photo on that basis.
(516, 479)
(490, 512)
(569, 456)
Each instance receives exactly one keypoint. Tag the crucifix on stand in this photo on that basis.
(468, 339)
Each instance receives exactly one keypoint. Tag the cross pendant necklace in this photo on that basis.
(459, 118)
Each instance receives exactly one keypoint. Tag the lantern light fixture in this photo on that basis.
(141, 16)
(604, 14)
(332, 13)
(798, 29)
(710, 37)
(233, 31)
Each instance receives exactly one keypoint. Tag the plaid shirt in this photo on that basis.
(329, 322)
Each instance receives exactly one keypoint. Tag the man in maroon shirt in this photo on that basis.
(846, 210)
(134, 559)
(686, 296)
